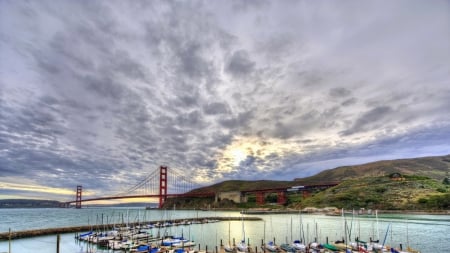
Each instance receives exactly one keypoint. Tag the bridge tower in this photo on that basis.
(281, 198)
(162, 185)
(260, 198)
(78, 198)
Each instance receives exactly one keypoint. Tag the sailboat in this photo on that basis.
(408, 249)
(298, 244)
(228, 247)
(269, 246)
(242, 246)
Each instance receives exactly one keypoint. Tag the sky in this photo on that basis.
(101, 93)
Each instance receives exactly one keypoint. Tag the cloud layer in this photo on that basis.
(101, 93)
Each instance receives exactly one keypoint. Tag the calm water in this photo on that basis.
(428, 233)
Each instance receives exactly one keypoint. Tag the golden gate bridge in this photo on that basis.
(155, 185)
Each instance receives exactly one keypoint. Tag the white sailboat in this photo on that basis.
(242, 246)
(228, 247)
(270, 246)
(298, 244)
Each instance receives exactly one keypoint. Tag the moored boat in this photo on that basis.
(288, 248)
(270, 246)
(298, 245)
(242, 247)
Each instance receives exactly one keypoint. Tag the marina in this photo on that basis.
(224, 126)
(224, 231)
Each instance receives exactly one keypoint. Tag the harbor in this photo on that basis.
(226, 230)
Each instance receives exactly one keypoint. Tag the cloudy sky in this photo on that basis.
(100, 93)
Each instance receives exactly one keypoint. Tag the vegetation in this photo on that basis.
(411, 193)
(440, 202)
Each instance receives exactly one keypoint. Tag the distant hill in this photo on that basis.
(28, 203)
(435, 167)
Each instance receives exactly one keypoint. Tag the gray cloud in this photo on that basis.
(111, 88)
(340, 92)
(240, 65)
(215, 108)
(369, 119)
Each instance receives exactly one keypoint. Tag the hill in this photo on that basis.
(435, 167)
(420, 186)
(28, 203)
(383, 192)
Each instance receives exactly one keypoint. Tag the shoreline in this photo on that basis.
(335, 211)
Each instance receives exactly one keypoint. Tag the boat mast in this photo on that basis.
(378, 226)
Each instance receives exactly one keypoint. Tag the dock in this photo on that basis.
(61, 230)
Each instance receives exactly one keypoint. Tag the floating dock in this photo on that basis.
(50, 231)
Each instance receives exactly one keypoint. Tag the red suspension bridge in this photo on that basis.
(155, 185)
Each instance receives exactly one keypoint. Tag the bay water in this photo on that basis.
(426, 233)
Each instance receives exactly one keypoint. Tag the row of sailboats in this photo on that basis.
(345, 245)
(241, 246)
(144, 237)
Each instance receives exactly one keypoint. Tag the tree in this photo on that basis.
(446, 181)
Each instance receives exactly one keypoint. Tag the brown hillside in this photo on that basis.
(435, 167)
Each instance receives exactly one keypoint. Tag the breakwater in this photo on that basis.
(74, 229)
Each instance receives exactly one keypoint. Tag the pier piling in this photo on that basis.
(9, 243)
(58, 240)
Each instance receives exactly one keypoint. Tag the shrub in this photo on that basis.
(441, 190)
(422, 201)
(446, 181)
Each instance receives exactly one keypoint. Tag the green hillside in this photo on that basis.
(410, 193)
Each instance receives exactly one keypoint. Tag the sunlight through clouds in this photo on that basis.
(37, 188)
(220, 89)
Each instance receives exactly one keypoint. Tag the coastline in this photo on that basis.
(337, 212)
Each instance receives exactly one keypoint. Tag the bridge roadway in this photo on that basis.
(303, 188)
(211, 194)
